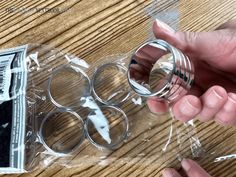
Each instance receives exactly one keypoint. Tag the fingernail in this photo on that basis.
(229, 106)
(156, 111)
(213, 98)
(188, 108)
(156, 107)
(232, 97)
(167, 173)
(164, 26)
(185, 164)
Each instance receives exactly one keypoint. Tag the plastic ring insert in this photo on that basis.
(110, 85)
(107, 127)
(67, 85)
(159, 70)
(62, 132)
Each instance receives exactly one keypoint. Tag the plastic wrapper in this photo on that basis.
(57, 108)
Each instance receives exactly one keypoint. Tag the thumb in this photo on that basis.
(192, 169)
(208, 46)
(230, 24)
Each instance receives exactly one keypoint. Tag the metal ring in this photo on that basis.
(68, 68)
(123, 135)
(42, 137)
(177, 70)
(98, 71)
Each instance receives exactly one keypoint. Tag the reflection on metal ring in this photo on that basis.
(158, 69)
(125, 92)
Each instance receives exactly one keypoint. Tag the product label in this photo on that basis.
(13, 82)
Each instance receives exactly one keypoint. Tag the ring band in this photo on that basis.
(109, 142)
(174, 71)
(42, 136)
(93, 85)
(69, 68)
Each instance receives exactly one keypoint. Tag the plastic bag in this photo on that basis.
(70, 112)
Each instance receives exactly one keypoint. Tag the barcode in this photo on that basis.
(5, 76)
(4, 65)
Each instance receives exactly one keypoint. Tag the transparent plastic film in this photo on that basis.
(58, 108)
(69, 113)
(166, 11)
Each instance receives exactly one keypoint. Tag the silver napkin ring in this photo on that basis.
(116, 95)
(107, 134)
(75, 71)
(158, 69)
(43, 131)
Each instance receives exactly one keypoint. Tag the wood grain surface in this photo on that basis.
(94, 29)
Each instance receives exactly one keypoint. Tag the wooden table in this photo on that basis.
(94, 29)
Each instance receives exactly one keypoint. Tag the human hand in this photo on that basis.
(214, 57)
(191, 168)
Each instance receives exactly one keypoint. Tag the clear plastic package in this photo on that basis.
(58, 108)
